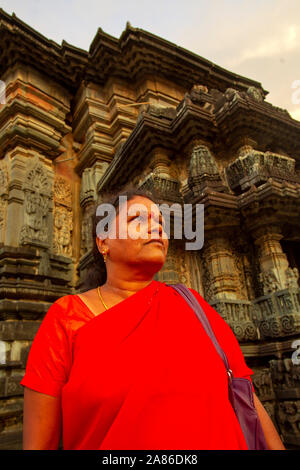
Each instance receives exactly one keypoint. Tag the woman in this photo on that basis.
(127, 364)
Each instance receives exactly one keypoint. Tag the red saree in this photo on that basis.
(141, 375)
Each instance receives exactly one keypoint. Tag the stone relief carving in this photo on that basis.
(285, 374)
(262, 382)
(288, 416)
(241, 274)
(253, 167)
(62, 191)
(3, 198)
(202, 162)
(203, 171)
(63, 226)
(256, 94)
(269, 282)
(63, 217)
(37, 188)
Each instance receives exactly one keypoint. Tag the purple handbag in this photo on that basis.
(239, 389)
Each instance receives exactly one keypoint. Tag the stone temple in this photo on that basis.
(76, 123)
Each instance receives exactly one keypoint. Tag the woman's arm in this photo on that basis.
(41, 421)
(271, 435)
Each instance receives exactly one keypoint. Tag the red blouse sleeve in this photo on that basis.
(226, 339)
(49, 358)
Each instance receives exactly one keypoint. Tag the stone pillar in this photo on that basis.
(278, 308)
(221, 264)
(160, 163)
(273, 261)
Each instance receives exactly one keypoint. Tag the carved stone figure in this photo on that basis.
(289, 418)
(63, 223)
(269, 281)
(37, 189)
(63, 217)
(255, 94)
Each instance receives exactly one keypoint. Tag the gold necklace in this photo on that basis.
(102, 298)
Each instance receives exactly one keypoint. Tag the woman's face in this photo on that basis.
(141, 223)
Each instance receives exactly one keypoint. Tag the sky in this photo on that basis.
(259, 39)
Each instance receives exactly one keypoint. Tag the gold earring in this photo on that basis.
(104, 253)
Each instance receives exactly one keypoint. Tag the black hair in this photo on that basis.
(96, 275)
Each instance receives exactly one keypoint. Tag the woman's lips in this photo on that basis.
(155, 241)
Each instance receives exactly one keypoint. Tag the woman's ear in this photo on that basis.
(100, 243)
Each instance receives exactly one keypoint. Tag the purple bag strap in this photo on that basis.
(194, 304)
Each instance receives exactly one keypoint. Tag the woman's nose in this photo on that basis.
(155, 226)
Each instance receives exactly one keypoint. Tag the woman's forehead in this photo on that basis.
(140, 203)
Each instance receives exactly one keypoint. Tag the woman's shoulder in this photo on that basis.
(68, 307)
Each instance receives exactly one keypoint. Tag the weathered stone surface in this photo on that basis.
(16, 330)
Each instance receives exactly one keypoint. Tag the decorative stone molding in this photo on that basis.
(238, 315)
(278, 313)
(163, 188)
(255, 168)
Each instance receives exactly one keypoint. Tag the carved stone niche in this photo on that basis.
(255, 168)
(37, 189)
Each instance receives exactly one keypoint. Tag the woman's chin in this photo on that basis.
(152, 263)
